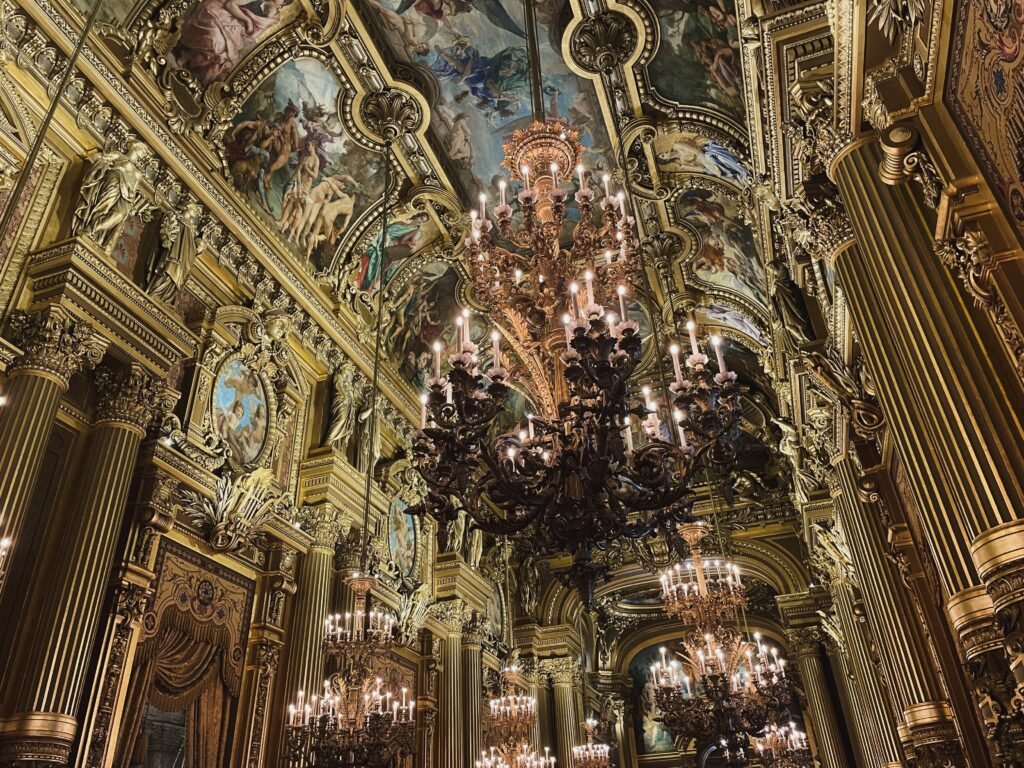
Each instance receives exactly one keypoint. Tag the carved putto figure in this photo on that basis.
(177, 253)
(110, 194)
(344, 406)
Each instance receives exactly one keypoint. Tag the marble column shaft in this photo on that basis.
(824, 722)
(907, 660)
(565, 679)
(305, 650)
(450, 749)
(945, 383)
(54, 348)
(880, 740)
(53, 649)
(471, 659)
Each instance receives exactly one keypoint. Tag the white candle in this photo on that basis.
(495, 348)
(679, 425)
(526, 176)
(605, 179)
(611, 318)
(568, 333)
(621, 290)
(716, 342)
(627, 423)
(437, 359)
(588, 276)
(483, 207)
(674, 351)
(622, 245)
(501, 190)
(554, 176)
(529, 424)
(423, 411)
(692, 328)
(459, 322)
(574, 289)
(465, 326)
(518, 275)
(579, 170)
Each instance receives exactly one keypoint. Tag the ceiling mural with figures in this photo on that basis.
(475, 54)
(296, 165)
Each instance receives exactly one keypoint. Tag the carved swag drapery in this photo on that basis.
(180, 670)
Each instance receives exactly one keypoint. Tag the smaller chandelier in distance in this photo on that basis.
(357, 641)
(705, 593)
(592, 754)
(783, 747)
(509, 716)
(351, 726)
(523, 757)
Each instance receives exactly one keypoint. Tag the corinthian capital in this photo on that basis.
(131, 396)
(453, 614)
(324, 524)
(562, 669)
(55, 344)
(805, 641)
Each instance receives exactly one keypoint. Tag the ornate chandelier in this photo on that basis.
(509, 717)
(351, 726)
(592, 754)
(523, 757)
(783, 747)
(358, 641)
(722, 691)
(576, 474)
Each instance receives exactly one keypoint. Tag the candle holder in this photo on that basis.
(592, 754)
(509, 716)
(704, 593)
(359, 642)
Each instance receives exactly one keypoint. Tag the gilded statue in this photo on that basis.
(344, 406)
(368, 452)
(454, 533)
(177, 253)
(110, 194)
(474, 547)
(529, 585)
(789, 307)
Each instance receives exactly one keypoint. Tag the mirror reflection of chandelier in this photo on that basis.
(592, 754)
(720, 690)
(597, 463)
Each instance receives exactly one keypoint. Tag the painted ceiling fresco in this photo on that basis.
(476, 54)
(727, 255)
(296, 165)
(986, 93)
(698, 60)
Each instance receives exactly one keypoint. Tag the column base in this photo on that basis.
(37, 739)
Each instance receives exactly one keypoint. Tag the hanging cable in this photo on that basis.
(372, 419)
(44, 126)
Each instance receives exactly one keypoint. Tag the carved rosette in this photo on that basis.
(54, 344)
(562, 670)
(603, 42)
(391, 114)
(131, 397)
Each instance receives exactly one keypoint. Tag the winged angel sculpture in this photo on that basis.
(239, 509)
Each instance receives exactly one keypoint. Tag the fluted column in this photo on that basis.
(450, 752)
(304, 648)
(565, 680)
(472, 689)
(54, 347)
(907, 660)
(52, 650)
(949, 392)
(805, 643)
(881, 741)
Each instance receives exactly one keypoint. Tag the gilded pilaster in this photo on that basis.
(450, 751)
(907, 661)
(472, 688)
(805, 644)
(52, 650)
(565, 682)
(949, 392)
(312, 603)
(54, 347)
